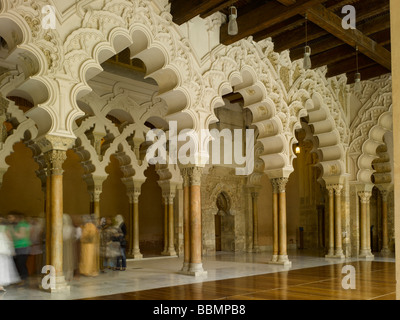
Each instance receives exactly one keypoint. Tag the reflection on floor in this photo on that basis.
(163, 272)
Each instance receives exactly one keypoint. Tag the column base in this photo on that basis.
(185, 268)
(366, 254)
(169, 253)
(280, 260)
(136, 255)
(195, 270)
(61, 286)
(331, 253)
(386, 251)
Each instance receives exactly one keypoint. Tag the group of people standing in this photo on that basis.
(20, 248)
(90, 246)
(93, 247)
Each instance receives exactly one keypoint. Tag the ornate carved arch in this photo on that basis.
(373, 120)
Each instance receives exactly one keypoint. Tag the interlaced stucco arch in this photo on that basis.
(373, 120)
(279, 93)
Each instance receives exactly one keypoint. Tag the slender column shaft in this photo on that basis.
(331, 243)
(338, 221)
(365, 244)
(363, 229)
(48, 219)
(275, 225)
(195, 265)
(57, 223)
(186, 225)
(195, 224)
(171, 238)
(368, 225)
(131, 226)
(165, 225)
(282, 224)
(55, 159)
(96, 209)
(385, 237)
(136, 249)
(254, 197)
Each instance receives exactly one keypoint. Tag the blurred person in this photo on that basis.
(103, 243)
(20, 232)
(113, 248)
(35, 260)
(70, 257)
(8, 271)
(121, 226)
(89, 262)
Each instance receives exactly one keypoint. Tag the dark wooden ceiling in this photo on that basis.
(284, 21)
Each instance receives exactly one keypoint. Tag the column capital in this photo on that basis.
(193, 175)
(185, 177)
(274, 184)
(279, 184)
(54, 160)
(169, 197)
(133, 194)
(337, 188)
(51, 142)
(254, 194)
(365, 196)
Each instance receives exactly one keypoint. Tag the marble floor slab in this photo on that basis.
(164, 272)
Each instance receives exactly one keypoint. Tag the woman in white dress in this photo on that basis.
(8, 271)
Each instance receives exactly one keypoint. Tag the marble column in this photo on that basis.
(96, 201)
(275, 225)
(282, 255)
(135, 246)
(48, 217)
(338, 222)
(165, 250)
(55, 160)
(365, 249)
(385, 237)
(280, 225)
(130, 224)
(254, 197)
(195, 265)
(169, 233)
(194, 232)
(186, 225)
(331, 223)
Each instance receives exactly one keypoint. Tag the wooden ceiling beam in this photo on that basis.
(372, 26)
(184, 10)
(345, 51)
(333, 24)
(220, 7)
(263, 17)
(287, 2)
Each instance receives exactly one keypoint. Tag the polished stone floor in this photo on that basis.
(159, 272)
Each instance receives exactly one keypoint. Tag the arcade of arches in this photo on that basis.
(76, 103)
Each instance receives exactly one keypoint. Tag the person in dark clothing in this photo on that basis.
(121, 226)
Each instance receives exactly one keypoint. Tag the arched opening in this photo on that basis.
(151, 212)
(76, 197)
(21, 189)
